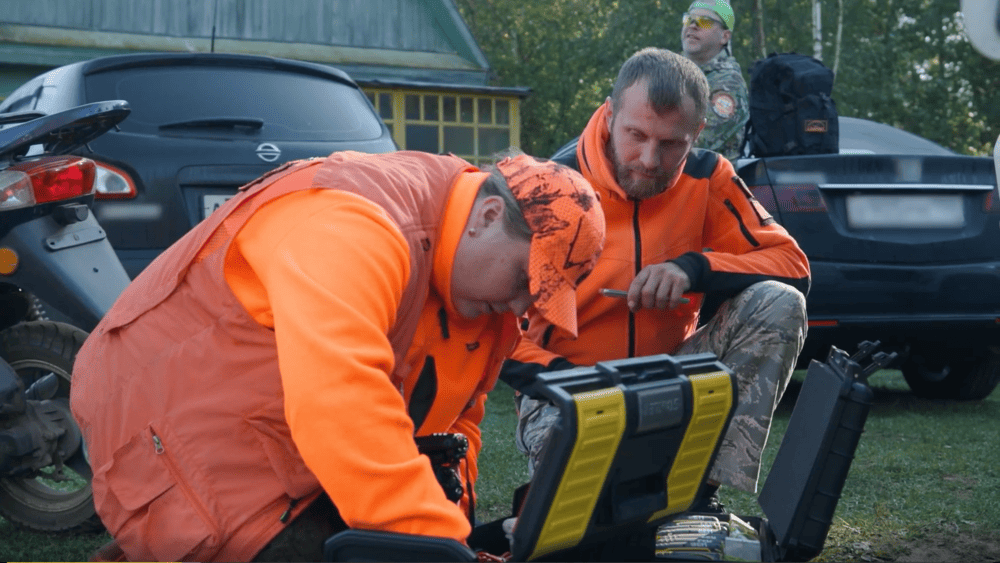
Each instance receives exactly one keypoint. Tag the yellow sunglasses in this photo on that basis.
(703, 22)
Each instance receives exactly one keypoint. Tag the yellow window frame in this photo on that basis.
(397, 119)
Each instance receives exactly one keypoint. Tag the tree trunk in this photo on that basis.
(840, 30)
(817, 30)
(758, 32)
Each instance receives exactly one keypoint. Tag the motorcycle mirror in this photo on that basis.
(982, 26)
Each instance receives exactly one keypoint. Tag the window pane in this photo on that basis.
(449, 108)
(413, 107)
(468, 115)
(385, 106)
(503, 112)
(458, 140)
(485, 110)
(371, 98)
(430, 108)
(312, 108)
(422, 138)
(492, 141)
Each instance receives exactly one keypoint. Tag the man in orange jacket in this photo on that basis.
(296, 341)
(680, 222)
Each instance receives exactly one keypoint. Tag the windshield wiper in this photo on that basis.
(209, 122)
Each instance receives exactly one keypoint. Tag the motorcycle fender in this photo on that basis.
(72, 268)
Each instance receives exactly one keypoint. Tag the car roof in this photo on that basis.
(861, 136)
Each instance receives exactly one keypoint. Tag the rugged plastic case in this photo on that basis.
(804, 484)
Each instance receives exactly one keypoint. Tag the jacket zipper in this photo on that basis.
(288, 511)
(638, 268)
(743, 228)
(189, 493)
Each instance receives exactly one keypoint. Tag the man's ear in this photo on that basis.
(611, 108)
(698, 132)
(488, 210)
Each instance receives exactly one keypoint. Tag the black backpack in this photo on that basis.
(791, 111)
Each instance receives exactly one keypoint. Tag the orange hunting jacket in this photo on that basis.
(708, 224)
(276, 351)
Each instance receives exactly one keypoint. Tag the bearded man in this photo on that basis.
(687, 240)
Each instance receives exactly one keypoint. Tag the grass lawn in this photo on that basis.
(924, 485)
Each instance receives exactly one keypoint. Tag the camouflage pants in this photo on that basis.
(758, 334)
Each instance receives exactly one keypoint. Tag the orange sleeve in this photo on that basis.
(529, 352)
(333, 269)
(749, 244)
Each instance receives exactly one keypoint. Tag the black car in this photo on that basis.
(903, 240)
(201, 126)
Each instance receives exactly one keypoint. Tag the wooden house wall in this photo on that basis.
(379, 24)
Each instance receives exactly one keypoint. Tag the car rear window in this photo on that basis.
(861, 136)
(292, 106)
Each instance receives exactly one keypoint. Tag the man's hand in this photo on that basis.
(658, 286)
(508, 530)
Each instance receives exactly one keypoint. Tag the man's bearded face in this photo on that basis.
(635, 179)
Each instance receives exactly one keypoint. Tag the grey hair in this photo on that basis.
(670, 76)
(496, 185)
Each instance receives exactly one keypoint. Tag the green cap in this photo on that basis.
(720, 7)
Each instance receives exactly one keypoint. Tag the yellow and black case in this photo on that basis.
(633, 446)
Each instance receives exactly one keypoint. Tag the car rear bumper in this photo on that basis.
(948, 306)
(870, 293)
(960, 337)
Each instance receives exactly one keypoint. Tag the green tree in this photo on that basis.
(906, 63)
(568, 52)
(556, 49)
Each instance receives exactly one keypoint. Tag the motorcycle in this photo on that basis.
(55, 260)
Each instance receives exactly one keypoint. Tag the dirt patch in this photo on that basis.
(947, 547)
(941, 547)
(928, 546)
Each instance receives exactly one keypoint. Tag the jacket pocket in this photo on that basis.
(275, 440)
(743, 228)
(148, 506)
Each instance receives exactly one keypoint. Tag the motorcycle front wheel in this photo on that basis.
(53, 499)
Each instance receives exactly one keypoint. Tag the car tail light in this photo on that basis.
(990, 203)
(45, 180)
(800, 198)
(113, 183)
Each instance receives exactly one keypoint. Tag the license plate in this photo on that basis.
(210, 203)
(905, 211)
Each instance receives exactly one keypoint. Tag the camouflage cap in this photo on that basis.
(565, 215)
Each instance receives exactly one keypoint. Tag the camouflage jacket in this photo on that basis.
(728, 107)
